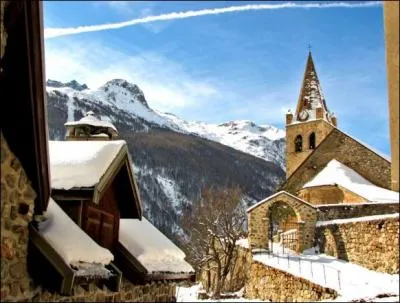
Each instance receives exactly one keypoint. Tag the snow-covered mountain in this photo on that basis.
(264, 141)
(173, 158)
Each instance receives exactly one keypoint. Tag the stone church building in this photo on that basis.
(329, 175)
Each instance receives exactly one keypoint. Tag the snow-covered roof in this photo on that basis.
(275, 195)
(338, 173)
(92, 120)
(80, 163)
(69, 240)
(358, 219)
(151, 248)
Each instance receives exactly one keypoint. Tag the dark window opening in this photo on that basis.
(298, 142)
(312, 141)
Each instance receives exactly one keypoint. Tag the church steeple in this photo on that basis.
(310, 124)
(311, 104)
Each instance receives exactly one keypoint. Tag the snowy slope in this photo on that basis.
(263, 141)
(243, 135)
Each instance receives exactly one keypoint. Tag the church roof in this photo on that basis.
(311, 96)
(336, 146)
(336, 173)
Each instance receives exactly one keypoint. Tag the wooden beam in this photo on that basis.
(22, 86)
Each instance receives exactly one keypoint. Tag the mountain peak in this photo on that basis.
(133, 89)
(72, 84)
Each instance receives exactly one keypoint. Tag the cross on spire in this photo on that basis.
(309, 47)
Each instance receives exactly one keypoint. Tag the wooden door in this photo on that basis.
(100, 226)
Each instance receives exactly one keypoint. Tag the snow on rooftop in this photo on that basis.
(359, 219)
(151, 248)
(90, 119)
(275, 195)
(80, 163)
(69, 240)
(338, 173)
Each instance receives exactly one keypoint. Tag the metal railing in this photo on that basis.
(318, 272)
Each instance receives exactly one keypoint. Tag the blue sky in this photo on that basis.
(239, 65)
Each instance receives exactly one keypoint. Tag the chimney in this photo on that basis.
(90, 128)
(289, 117)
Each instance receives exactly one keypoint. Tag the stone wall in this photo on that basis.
(372, 244)
(258, 221)
(17, 199)
(331, 212)
(268, 283)
(348, 151)
(153, 292)
(329, 194)
(321, 128)
(237, 276)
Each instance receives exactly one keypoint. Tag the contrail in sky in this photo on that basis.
(57, 32)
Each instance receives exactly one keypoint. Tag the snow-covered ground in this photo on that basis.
(350, 280)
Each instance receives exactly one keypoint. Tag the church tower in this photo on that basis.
(310, 124)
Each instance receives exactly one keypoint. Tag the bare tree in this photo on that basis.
(216, 222)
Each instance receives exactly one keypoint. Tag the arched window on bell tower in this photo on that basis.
(311, 141)
(298, 144)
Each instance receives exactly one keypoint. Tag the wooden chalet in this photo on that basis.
(93, 183)
(74, 227)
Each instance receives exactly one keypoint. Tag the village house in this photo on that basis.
(69, 207)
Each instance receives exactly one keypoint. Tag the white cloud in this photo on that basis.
(166, 84)
(57, 32)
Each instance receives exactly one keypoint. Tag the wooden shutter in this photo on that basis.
(100, 226)
(93, 222)
(107, 230)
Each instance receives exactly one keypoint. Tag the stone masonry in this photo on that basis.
(321, 128)
(258, 221)
(237, 275)
(372, 244)
(329, 194)
(152, 292)
(268, 283)
(342, 211)
(17, 199)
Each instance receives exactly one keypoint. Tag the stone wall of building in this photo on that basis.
(17, 203)
(372, 244)
(258, 222)
(331, 212)
(268, 283)
(348, 151)
(152, 292)
(321, 128)
(17, 200)
(329, 194)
